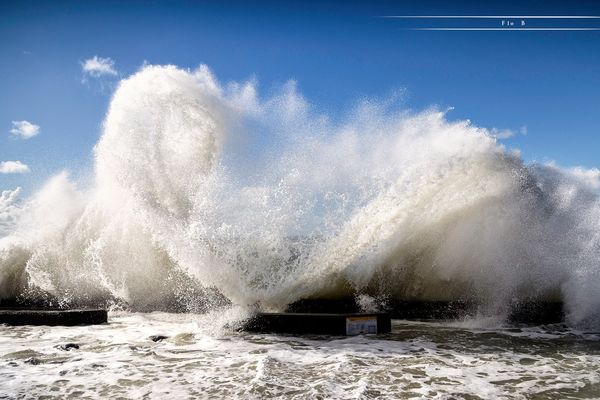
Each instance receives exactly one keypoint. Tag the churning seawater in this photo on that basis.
(206, 196)
(452, 360)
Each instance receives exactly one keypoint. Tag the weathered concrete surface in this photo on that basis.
(522, 312)
(319, 323)
(23, 316)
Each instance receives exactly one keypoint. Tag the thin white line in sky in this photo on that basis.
(497, 16)
(502, 29)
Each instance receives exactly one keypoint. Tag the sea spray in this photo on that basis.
(206, 194)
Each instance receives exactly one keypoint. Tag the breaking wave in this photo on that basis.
(206, 193)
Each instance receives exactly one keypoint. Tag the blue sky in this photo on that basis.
(338, 52)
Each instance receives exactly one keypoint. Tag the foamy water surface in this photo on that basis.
(202, 359)
(208, 195)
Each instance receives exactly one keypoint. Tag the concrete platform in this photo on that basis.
(23, 316)
(520, 312)
(320, 323)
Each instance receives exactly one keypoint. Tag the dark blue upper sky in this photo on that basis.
(338, 52)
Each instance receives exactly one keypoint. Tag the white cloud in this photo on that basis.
(9, 210)
(501, 133)
(523, 130)
(24, 129)
(98, 66)
(13, 167)
(8, 197)
(589, 176)
(507, 133)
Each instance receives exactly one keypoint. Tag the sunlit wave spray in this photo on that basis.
(206, 194)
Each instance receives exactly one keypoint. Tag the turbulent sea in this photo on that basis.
(212, 201)
(452, 360)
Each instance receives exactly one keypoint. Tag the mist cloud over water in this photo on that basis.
(204, 191)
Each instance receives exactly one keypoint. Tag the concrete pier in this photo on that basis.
(320, 323)
(520, 312)
(50, 317)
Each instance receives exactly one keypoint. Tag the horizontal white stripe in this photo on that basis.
(497, 16)
(502, 29)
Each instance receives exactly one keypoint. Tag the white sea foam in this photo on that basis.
(204, 191)
(417, 360)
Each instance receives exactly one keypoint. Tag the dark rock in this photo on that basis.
(157, 338)
(69, 346)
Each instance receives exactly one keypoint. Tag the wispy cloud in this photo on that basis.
(507, 133)
(98, 66)
(24, 129)
(13, 167)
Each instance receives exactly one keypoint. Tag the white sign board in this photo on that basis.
(361, 325)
